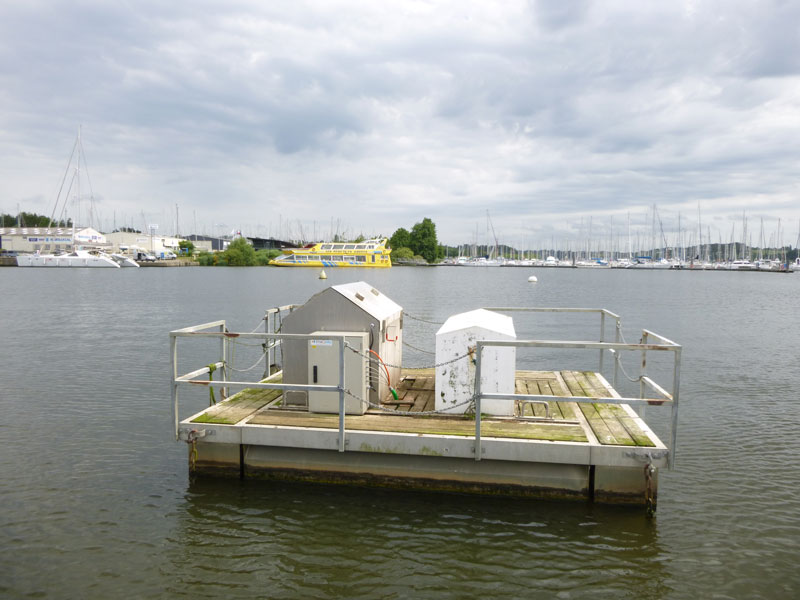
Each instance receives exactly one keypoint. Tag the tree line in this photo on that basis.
(239, 253)
(25, 219)
(419, 243)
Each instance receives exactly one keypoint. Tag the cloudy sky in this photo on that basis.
(310, 118)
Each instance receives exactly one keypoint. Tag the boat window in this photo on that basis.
(349, 246)
(360, 247)
(326, 246)
(361, 258)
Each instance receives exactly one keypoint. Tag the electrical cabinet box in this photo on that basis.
(455, 381)
(323, 369)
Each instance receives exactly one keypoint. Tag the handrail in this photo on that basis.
(664, 397)
(603, 312)
(199, 331)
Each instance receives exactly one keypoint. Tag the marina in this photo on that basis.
(474, 423)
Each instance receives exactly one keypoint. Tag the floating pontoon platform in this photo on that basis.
(572, 435)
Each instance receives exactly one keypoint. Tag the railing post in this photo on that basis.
(341, 394)
(642, 374)
(478, 352)
(223, 351)
(676, 384)
(602, 336)
(268, 342)
(617, 352)
(173, 342)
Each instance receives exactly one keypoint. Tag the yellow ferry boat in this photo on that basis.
(369, 253)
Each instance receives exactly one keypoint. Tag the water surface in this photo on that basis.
(97, 501)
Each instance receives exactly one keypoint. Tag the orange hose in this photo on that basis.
(388, 380)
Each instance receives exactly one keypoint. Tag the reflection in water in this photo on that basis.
(303, 540)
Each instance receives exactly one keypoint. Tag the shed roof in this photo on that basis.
(483, 318)
(369, 299)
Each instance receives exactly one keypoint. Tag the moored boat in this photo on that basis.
(369, 253)
(77, 258)
(123, 261)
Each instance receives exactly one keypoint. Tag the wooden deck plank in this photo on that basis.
(430, 402)
(409, 397)
(529, 386)
(423, 383)
(589, 381)
(431, 425)
(609, 423)
(520, 388)
(420, 401)
(547, 389)
(538, 375)
(637, 434)
(568, 410)
(238, 406)
(596, 422)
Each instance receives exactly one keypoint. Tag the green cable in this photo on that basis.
(211, 368)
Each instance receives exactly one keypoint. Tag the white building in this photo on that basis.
(124, 241)
(49, 239)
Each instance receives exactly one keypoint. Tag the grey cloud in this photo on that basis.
(558, 15)
(530, 109)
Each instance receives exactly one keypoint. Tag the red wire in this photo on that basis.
(388, 381)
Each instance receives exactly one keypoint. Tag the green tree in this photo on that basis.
(207, 259)
(240, 253)
(401, 254)
(24, 219)
(400, 239)
(423, 240)
(263, 256)
(186, 247)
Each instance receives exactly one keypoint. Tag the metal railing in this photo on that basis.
(273, 322)
(603, 315)
(663, 397)
(205, 331)
(273, 340)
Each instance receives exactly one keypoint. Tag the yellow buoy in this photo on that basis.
(322, 274)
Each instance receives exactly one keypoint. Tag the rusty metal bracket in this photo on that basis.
(647, 456)
(191, 435)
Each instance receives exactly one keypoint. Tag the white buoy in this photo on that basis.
(532, 279)
(322, 274)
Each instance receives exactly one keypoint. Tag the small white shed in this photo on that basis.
(352, 307)
(455, 382)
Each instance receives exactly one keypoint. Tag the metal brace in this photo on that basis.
(192, 435)
(649, 500)
(649, 471)
(647, 457)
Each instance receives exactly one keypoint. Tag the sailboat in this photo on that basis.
(76, 258)
(79, 257)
